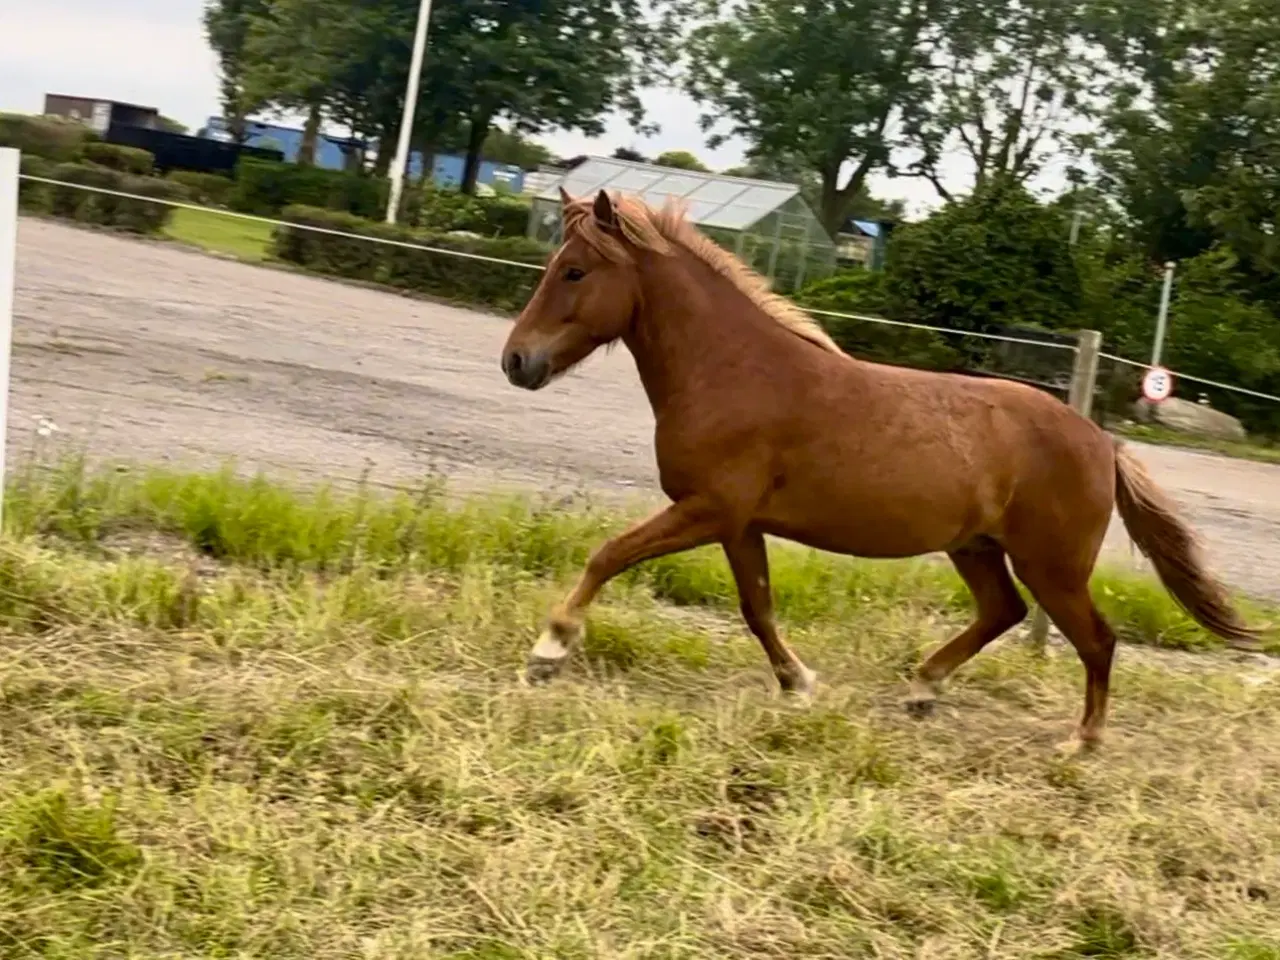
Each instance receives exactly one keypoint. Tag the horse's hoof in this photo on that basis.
(920, 708)
(799, 688)
(921, 701)
(539, 672)
(1077, 747)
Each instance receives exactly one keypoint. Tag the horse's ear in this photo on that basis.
(603, 210)
(565, 199)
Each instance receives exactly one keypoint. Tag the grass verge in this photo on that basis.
(241, 721)
(215, 231)
(271, 527)
(1263, 451)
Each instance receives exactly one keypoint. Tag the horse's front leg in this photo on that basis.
(682, 526)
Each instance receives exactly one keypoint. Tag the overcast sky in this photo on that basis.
(153, 52)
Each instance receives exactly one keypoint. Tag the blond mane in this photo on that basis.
(659, 231)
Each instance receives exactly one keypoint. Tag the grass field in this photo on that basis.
(1264, 451)
(215, 231)
(239, 721)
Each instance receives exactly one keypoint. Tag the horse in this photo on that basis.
(764, 426)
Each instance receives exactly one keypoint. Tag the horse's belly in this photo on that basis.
(899, 522)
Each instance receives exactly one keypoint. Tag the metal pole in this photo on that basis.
(1162, 319)
(401, 161)
(1084, 379)
(9, 168)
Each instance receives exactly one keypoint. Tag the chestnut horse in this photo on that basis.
(764, 426)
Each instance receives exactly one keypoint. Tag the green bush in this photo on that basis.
(34, 197)
(209, 189)
(996, 258)
(441, 211)
(86, 206)
(131, 160)
(473, 282)
(265, 188)
(860, 291)
(52, 138)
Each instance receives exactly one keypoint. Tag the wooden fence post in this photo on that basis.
(1084, 378)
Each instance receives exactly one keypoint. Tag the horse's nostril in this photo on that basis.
(513, 362)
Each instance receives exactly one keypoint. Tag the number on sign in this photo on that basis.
(1157, 385)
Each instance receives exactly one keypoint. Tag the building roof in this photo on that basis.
(868, 228)
(114, 103)
(711, 199)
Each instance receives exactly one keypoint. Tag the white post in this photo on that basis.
(8, 271)
(1162, 319)
(401, 161)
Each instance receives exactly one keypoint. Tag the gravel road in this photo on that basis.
(154, 352)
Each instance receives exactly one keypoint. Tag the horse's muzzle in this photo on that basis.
(528, 370)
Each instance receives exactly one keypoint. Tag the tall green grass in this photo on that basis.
(271, 527)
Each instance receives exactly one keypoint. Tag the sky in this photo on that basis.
(78, 48)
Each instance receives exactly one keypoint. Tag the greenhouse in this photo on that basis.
(767, 224)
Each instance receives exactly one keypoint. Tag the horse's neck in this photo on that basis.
(693, 329)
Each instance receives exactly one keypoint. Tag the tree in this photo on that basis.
(1191, 146)
(542, 64)
(784, 169)
(681, 160)
(1010, 76)
(295, 51)
(226, 24)
(825, 81)
(626, 153)
(504, 146)
(997, 257)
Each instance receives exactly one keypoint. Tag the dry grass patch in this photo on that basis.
(336, 761)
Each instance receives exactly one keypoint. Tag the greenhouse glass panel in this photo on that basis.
(768, 224)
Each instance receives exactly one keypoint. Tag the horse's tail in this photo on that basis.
(1152, 521)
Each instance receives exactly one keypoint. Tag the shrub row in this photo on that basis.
(266, 188)
(445, 210)
(207, 189)
(474, 282)
(49, 138)
(130, 160)
(861, 292)
(85, 206)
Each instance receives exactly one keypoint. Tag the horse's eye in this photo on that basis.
(573, 274)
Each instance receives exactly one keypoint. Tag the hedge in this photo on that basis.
(51, 138)
(473, 282)
(85, 206)
(861, 292)
(444, 210)
(131, 160)
(34, 197)
(208, 189)
(265, 188)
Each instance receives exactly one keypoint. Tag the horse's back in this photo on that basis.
(904, 461)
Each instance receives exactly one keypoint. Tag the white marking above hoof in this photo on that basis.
(549, 647)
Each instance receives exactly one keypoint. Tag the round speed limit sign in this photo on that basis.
(1157, 384)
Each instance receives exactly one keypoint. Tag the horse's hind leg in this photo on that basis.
(1065, 598)
(1000, 607)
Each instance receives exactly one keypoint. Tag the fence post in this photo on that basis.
(1084, 378)
(9, 167)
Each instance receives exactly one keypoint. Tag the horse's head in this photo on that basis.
(586, 299)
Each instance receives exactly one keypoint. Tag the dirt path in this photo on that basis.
(153, 352)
